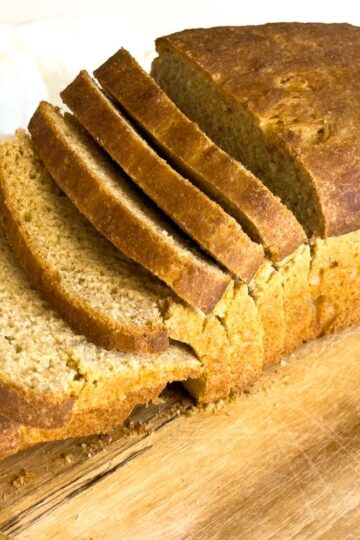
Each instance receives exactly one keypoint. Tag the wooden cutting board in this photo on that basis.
(280, 462)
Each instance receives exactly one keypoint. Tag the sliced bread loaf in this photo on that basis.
(201, 218)
(47, 371)
(292, 118)
(230, 359)
(103, 295)
(106, 197)
(261, 214)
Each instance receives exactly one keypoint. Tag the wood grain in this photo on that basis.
(280, 462)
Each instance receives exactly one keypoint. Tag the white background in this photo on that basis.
(43, 44)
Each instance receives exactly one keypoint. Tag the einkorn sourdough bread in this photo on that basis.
(283, 98)
(201, 218)
(239, 191)
(49, 374)
(106, 197)
(228, 342)
(261, 214)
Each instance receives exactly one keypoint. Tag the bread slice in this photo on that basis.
(201, 218)
(106, 197)
(103, 295)
(261, 214)
(300, 139)
(47, 371)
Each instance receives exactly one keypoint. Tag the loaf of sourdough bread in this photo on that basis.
(282, 98)
(289, 298)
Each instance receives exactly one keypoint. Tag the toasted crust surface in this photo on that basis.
(106, 198)
(200, 217)
(300, 83)
(214, 171)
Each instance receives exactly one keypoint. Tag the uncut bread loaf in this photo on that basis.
(283, 98)
(243, 195)
(200, 217)
(106, 197)
(229, 341)
(102, 294)
(48, 373)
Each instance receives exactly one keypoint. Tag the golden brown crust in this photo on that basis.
(99, 329)
(266, 69)
(203, 220)
(299, 308)
(196, 281)
(15, 437)
(267, 291)
(335, 281)
(10, 437)
(33, 408)
(214, 171)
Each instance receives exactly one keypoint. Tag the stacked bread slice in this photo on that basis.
(158, 255)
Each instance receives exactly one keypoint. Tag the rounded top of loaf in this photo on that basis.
(301, 81)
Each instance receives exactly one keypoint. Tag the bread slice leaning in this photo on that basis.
(243, 195)
(48, 373)
(102, 294)
(200, 217)
(106, 197)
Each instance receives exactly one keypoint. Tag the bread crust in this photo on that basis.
(200, 217)
(33, 408)
(214, 171)
(15, 437)
(196, 281)
(266, 68)
(299, 308)
(335, 281)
